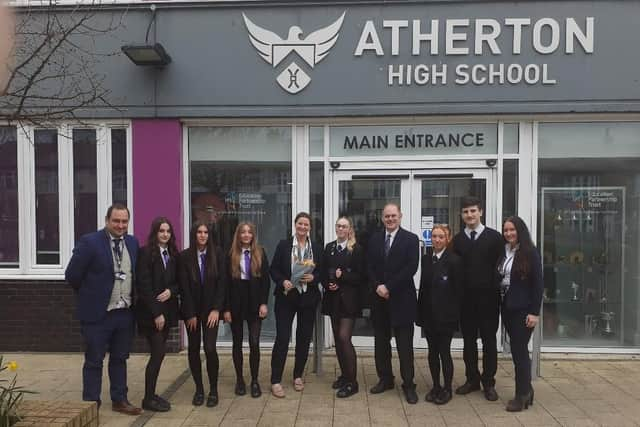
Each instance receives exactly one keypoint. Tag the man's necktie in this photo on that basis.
(387, 245)
(165, 257)
(116, 248)
(473, 235)
(247, 264)
(202, 267)
(435, 259)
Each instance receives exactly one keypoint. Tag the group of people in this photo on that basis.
(465, 282)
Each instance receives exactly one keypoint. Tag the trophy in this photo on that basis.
(607, 317)
(575, 288)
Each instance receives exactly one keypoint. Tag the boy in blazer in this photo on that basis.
(101, 272)
(480, 248)
(393, 257)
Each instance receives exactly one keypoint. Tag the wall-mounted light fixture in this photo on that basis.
(148, 53)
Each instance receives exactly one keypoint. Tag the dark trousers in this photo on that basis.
(382, 342)
(440, 352)
(479, 316)
(114, 333)
(253, 325)
(519, 335)
(285, 311)
(209, 338)
(157, 349)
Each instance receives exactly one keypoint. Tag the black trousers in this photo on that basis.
(285, 310)
(519, 335)
(382, 342)
(440, 352)
(209, 338)
(157, 349)
(479, 316)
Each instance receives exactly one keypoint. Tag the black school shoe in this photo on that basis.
(198, 398)
(339, 383)
(241, 388)
(433, 393)
(382, 386)
(443, 397)
(212, 399)
(255, 389)
(410, 394)
(155, 405)
(349, 389)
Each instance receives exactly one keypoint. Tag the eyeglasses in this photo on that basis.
(342, 225)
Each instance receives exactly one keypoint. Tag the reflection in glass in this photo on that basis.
(85, 190)
(316, 201)
(510, 188)
(8, 197)
(47, 205)
(511, 139)
(242, 174)
(119, 166)
(363, 201)
(316, 141)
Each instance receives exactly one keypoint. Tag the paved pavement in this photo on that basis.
(572, 392)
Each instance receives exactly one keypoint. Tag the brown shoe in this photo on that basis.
(125, 407)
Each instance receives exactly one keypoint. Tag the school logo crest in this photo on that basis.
(311, 49)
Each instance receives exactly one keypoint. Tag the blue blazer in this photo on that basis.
(525, 293)
(396, 272)
(90, 273)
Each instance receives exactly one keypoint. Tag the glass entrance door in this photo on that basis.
(425, 198)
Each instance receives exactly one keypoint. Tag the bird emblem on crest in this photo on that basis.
(311, 49)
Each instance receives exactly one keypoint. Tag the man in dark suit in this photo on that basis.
(393, 256)
(479, 247)
(101, 272)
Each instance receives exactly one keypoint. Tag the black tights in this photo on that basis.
(157, 348)
(342, 333)
(440, 351)
(237, 327)
(209, 338)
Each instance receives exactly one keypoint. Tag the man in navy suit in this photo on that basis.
(101, 272)
(393, 257)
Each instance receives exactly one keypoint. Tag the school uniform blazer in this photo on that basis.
(91, 273)
(353, 278)
(441, 287)
(199, 299)
(525, 293)
(258, 288)
(280, 269)
(152, 279)
(396, 273)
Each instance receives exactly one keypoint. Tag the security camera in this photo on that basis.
(491, 163)
(334, 165)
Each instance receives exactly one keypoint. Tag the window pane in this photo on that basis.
(119, 166)
(85, 190)
(242, 174)
(510, 138)
(316, 200)
(47, 206)
(8, 197)
(589, 233)
(510, 189)
(316, 141)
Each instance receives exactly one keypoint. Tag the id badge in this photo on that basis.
(121, 276)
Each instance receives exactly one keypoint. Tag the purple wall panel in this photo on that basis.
(157, 175)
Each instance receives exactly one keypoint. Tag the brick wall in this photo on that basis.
(40, 316)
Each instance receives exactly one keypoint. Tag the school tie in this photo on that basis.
(340, 248)
(247, 264)
(165, 257)
(202, 267)
(116, 248)
(473, 235)
(435, 259)
(387, 245)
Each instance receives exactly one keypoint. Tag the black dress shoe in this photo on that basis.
(255, 389)
(154, 405)
(349, 389)
(490, 394)
(382, 386)
(410, 394)
(433, 393)
(198, 398)
(241, 388)
(212, 399)
(339, 383)
(443, 397)
(468, 387)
